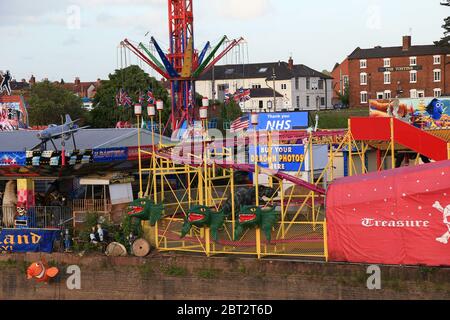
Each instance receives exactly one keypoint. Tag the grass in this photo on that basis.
(146, 270)
(175, 271)
(207, 273)
(338, 119)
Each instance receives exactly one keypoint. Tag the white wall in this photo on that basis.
(289, 100)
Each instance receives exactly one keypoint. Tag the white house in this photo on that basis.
(297, 87)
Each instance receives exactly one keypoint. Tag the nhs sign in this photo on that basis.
(282, 121)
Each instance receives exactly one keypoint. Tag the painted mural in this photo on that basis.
(425, 113)
(13, 113)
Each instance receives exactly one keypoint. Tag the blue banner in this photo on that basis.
(110, 154)
(282, 121)
(28, 240)
(283, 158)
(15, 158)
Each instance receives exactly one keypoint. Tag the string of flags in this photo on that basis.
(241, 95)
(124, 99)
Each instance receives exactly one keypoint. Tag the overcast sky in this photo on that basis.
(63, 39)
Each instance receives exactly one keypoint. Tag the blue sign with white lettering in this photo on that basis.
(28, 240)
(282, 121)
(283, 158)
(110, 154)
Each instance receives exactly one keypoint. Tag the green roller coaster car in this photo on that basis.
(145, 210)
(203, 217)
(255, 217)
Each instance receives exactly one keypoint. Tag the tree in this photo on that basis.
(230, 112)
(48, 102)
(345, 96)
(134, 81)
(445, 41)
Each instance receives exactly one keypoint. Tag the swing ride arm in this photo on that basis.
(142, 56)
(233, 44)
(154, 59)
(208, 59)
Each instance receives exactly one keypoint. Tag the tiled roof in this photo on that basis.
(384, 52)
(261, 70)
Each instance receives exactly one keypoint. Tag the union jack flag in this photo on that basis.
(240, 124)
(242, 95)
(141, 98)
(126, 100)
(123, 99)
(150, 97)
(228, 96)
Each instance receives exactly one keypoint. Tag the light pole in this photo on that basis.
(151, 111)
(204, 118)
(138, 113)
(254, 121)
(160, 107)
(274, 78)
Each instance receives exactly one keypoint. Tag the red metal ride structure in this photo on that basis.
(182, 65)
(181, 32)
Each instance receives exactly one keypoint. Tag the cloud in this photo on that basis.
(70, 41)
(243, 9)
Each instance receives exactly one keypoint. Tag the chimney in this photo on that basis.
(77, 81)
(32, 80)
(291, 63)
(406, 43)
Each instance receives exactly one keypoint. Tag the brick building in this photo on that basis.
(406, 71)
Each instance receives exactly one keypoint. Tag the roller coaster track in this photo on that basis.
(191, 159)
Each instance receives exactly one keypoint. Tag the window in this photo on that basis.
(436, 59)
(420, 94)
(261, 104)
(229, 71)
(308, 83)
(387, 94)
(437, 75)
(262, 70)
(413, 93)
(363, 78)
(437, 92)
(283, 86)
(307, 101)
(345, 78)
(387, 78)
(256, 86)
(364, 97)
(413, 76)
(387, 63)
(296, 83)
(298, 102)
(321, 84)
(380, 95)
(413, 61)
(322, 101)
(363, 64)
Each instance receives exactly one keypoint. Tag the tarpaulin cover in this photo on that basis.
(399, 216)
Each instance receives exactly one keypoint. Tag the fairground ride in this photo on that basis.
(182, 65)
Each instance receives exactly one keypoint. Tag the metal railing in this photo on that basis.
(91, 205)
(38, 217)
